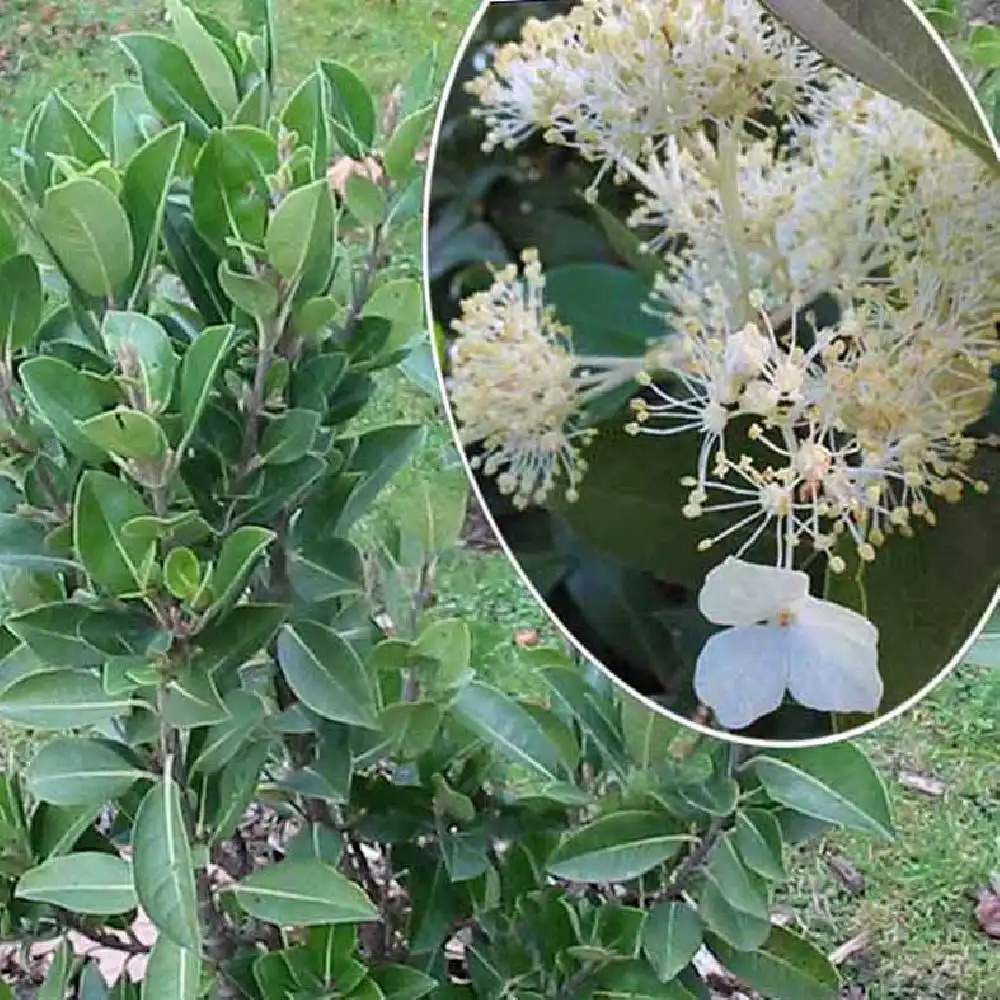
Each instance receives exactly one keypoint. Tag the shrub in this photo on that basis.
(194, 304)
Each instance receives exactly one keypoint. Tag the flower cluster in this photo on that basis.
(767, 181)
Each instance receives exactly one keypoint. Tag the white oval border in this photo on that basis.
(567, 636)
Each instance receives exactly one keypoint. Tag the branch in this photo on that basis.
(687, 869)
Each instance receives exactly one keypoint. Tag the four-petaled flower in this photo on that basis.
(781, 639)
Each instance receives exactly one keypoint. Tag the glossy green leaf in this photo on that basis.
(303, 893)
(60, 700)
(504, 724)
(307, 114)
(402, 982)
(892, 48)
(62, 396)
(366, 200)
(732, 901)
(320, 571)
(23, 546)
(124, 121)
(288, 437)
(757, 837)
(240, 552)
(127, 433)
(201, 365)
(229, 192)
(401, 149)
(225, 739)
(172, 973)
(72, 771)
(352, 110)
(145, 184)
(254, 296)
(144, 354)
(182, 573)
(193, 260)
(163, 868)
(616, 847)
(20, 302)
(326, 674)
(301, 231)
(206, 57)
(83, 882)
(88, 231)
(785, 967)
(671, 936)
(57, 978)
(115, 562)
(172, 83)
(636, 980)
(835, 783)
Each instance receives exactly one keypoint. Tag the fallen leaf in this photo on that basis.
(845, 873)
(988, 912)
(925, 784)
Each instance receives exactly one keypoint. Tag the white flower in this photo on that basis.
(781, 639)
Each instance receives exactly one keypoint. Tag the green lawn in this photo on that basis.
(924, 944)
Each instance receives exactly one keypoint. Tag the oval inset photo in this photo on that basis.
(717, 327)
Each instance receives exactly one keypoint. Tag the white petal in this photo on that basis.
(742, 673)
(741, 593)
(835, 668)
(814, 614)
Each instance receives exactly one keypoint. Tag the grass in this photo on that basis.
(924, 944)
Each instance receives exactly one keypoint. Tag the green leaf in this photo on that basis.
(163, 868)
(352, 110)
(401, 149)
(115, 562)
(83, 882)
(57, 978)
(172, 83)
(758, 839)
(59, 700)
(301, 231)
(127, 433)
(307, 115)
(61, 396)
(732, 901)
(326, 674)
(616, 847)
(412, 726)
(893, 49)
(671, 936)
(72, 771)
(435, 511)
(366, 200)
(142, 350)
(240, 551)
(193, 700)
(648, 734)
(225, 739)
(23, 546)
(229, 191)
(401, 982)
(206, 57)
(52, 632)
(379, 455)
(193, 260)
(401, 302)
(322, 570)
(604, 307)
(497, 718)
(201, 365)
(172, 973)
(449, 642)
(253, 295)
(88, 231)
(124, 120)
(635, 980)
(304, 893)
(182, 573)
(20, 302)
(834, 783)
(784, 967)
(145, 184)
(288, 437)
(237, 785)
